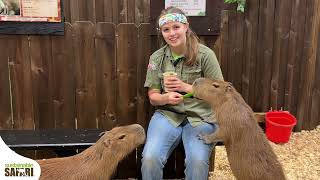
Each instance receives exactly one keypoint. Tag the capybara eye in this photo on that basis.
(216, 85)
(122, 136)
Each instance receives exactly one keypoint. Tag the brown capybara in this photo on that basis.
(100, 160)
(249, 153)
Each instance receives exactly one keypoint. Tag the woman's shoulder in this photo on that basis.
(204, 49)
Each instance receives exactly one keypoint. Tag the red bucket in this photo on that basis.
(279, 126)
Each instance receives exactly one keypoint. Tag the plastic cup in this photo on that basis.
(166, 75)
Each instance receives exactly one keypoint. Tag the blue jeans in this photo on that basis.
(163, 138)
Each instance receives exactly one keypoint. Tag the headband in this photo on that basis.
(171, 18)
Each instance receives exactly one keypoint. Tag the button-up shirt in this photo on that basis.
(192, 109)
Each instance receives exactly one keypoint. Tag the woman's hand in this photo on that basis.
(173, 98)
(158, 99)
(174, 84)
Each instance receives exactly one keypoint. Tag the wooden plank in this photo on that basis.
(259, 116)
(146, 11)
(115, 12)
(308, 64)
(103, 10)
(105, 44)
(265, 54)
(127, 72)
(126, 93)
(63, 63)
(281, 39)
(179, 156)
(238, 51)
(144, 52)
(5, 96)
(217, 48)
(67, 10)
(286, 22)
(224, 38)
(74, 10)
(99, 12)
(21, 86)
(85, 72)
(91, 11)
(83, 11)
(20, 75)
(108, 10)
(231, 76)
(131, 6)
(295, 54)
(123, 11)
(250, 56)
(138, 13)
(41, 72)
(315, 100)
(249, 46)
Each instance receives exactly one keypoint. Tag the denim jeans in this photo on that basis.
(163, 138)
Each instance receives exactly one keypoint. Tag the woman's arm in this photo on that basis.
(158, 99)
(175, 84)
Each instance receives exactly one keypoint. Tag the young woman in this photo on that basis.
(177, 119)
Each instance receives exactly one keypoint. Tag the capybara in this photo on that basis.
(100, 160)
(249, 153)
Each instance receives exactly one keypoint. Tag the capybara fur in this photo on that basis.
(250, 155)
(100, 160)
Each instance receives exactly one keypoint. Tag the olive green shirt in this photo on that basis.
(195, 110)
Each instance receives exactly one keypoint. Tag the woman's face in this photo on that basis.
(174, 33)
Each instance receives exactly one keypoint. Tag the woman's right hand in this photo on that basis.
(158, 99)
(173, 98)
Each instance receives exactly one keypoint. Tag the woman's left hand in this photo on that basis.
(175, 84)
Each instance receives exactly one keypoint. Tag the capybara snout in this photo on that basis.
(122, 137)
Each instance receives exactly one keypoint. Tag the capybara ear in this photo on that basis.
(228, 88)
(107, 142)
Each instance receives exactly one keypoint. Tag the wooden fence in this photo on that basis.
(93, 76)
(90, 78)
(115, 11)
(271, 53)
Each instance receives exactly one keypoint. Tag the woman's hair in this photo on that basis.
(192, 38)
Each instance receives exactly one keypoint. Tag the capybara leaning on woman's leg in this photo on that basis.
(98, 161)
(249, 153)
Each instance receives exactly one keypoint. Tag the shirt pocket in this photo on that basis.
(191, 74)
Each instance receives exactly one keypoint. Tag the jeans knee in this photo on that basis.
(152, 162)
(197, 164)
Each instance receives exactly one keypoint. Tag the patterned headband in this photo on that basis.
(171, 18)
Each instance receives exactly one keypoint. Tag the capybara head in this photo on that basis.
(100, 160)
(214, 91)
(122, 140)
